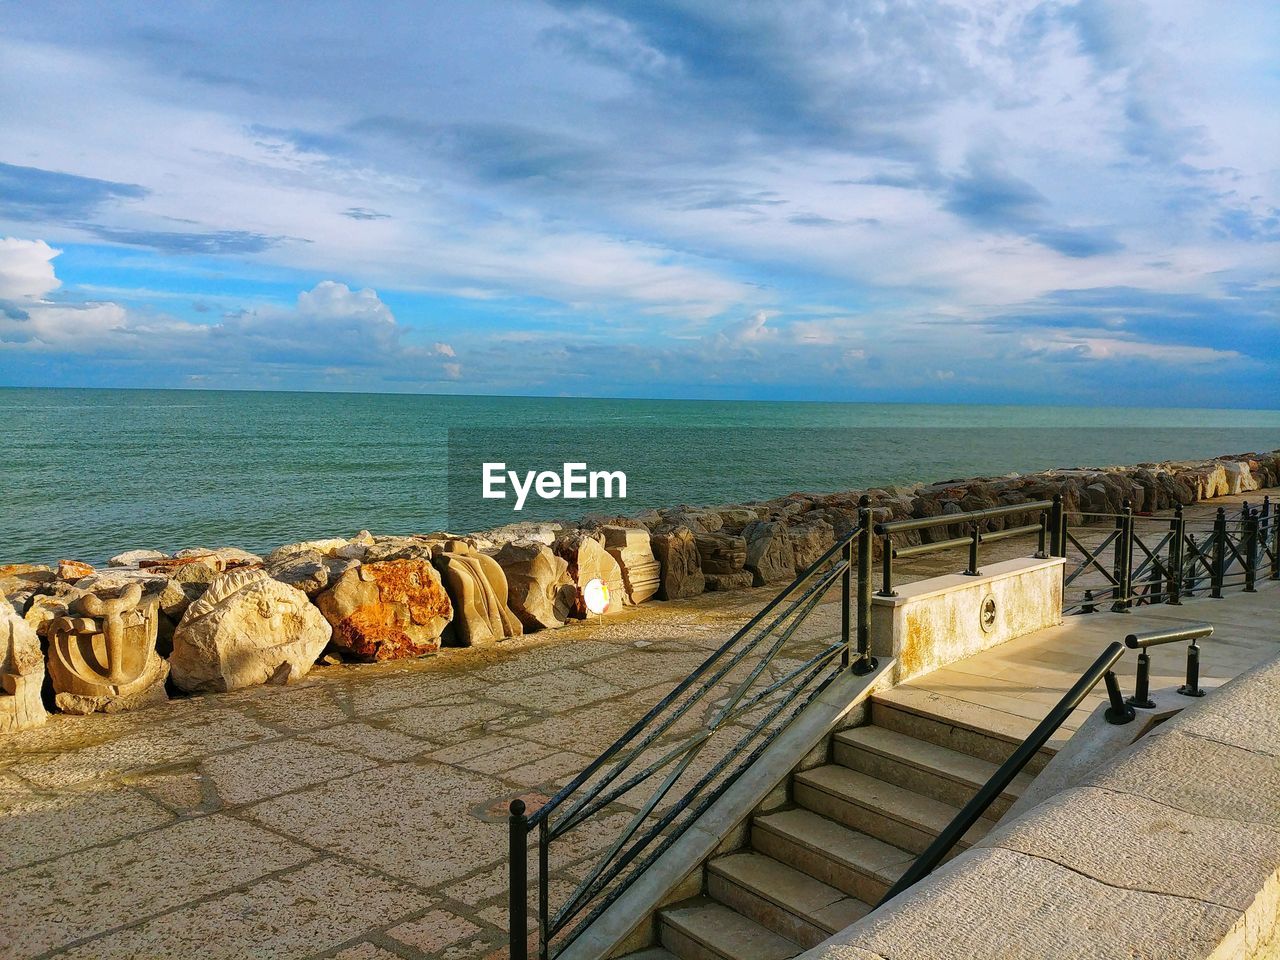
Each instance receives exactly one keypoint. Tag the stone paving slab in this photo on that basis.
(360, 813)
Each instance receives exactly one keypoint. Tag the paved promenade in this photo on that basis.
(361, 812)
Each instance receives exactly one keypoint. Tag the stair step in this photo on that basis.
(791, 903)
(651, 953)
(702, 929)
(885, 810)
(926, 768)
(849, 860)
(957, 725)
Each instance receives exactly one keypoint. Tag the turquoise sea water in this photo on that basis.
(88, 473)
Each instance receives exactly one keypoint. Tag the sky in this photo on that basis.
(1003, 202)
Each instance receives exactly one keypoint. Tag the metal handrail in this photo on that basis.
(1050, 527)
(972, 811)
(1119, 710)
(610, 776)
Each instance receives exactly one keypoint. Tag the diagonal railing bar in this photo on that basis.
(581, 811)
(578, 811)
(819, 590)
(1091, 558)
(697, 738)
(819, 663)
(691, 750)
(576, 783)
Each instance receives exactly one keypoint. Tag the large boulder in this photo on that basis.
(719, 582)
(21, 673)
(539, 589)
(721, 553)
(309, 570)
(632, 548)
(478, 589)
(131, 558)
(1239, 477)
(810, 539)
(387, 610)
(103, 657)
(588, 560)
(246, 629)
(681, 576)
(19, 582)
(770, 556)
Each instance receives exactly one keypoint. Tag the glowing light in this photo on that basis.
(596, 595)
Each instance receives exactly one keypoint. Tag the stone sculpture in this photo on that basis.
(246, 629)
(21, 673)
(770, 556)
(478, 589)
(641, 572)
(387, 610)
(681, 576)
(589, 561)
(723, 558)
(539, 589)
(102, 656)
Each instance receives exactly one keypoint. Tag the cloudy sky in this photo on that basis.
(981, 201)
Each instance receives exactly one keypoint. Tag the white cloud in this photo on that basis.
(26, 269)
(443, 350)
(1112, 348)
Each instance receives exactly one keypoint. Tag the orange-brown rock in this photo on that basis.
(73, 569)
(387, 610)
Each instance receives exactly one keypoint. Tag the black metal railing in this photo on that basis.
(693, 744)
(1145, 560)
(1119, 711)
(1048, 525)
(673, 763)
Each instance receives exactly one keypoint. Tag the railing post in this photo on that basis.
(518, 881)
(1219, 565)
(1193, 568)
(1088, 605)
(1123, 566)
(974, 540)
(1251, 552)
(1274, 533)
(865, 663)
(846, 602)
(1119, 712)
(886, 568)
(1142, 686)
(1057, 528)
(1192, 687)
(1174, 560)
(1042, 536)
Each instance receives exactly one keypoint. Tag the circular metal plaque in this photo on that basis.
(988, 616)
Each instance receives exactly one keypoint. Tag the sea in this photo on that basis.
(85, 474)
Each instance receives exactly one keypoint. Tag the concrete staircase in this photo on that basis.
(852, 827)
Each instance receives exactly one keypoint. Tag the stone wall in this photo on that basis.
(218, 619)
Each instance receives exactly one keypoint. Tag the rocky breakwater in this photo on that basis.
(152, 625)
